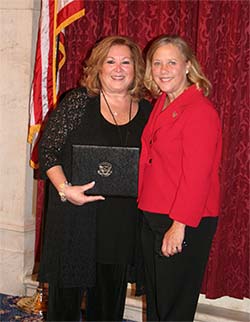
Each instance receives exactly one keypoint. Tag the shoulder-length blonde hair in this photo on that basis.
(98, 55)
(195, 74)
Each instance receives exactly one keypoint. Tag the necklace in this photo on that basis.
(115, 121)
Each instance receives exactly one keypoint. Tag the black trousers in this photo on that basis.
(173, 283)
(106, 301)
(64, 303)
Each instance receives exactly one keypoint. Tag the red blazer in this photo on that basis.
(180, 156)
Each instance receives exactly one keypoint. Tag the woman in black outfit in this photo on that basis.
(90, 241)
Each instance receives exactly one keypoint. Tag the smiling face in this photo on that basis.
(169, 70)
(117, 72)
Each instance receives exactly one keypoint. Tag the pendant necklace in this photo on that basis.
(116, 124)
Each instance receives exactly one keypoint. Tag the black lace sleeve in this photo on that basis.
(65, 118)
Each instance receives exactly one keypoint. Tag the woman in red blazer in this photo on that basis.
(178, 180)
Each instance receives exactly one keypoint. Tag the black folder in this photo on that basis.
(114, 169)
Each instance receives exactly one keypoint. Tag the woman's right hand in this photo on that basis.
(76, 194)
(173, 239)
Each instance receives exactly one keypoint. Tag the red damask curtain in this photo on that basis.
(219, 34)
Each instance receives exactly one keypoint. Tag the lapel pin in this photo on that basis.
(174, 114)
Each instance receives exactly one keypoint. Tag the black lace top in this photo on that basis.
(105, 231)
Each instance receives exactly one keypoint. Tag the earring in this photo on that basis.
(187, 71)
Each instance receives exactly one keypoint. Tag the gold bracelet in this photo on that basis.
(61, 191)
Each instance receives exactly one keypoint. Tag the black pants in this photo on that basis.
(173, 283)
(64, 304)
(106, 301)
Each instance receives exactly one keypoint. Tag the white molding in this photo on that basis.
(28, 227)
(135, 311)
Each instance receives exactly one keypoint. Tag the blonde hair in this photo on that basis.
(195, 74)
(98, 55)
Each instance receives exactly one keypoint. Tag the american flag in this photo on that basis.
(55, 16)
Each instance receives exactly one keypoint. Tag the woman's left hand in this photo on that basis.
(173, 239)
